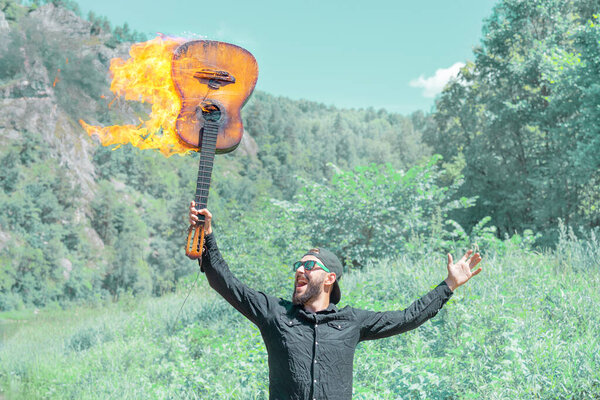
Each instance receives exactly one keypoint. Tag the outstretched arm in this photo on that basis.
(253, 304)
(376, 325)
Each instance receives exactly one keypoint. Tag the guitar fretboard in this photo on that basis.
(207, 157)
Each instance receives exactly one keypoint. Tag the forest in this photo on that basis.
(508, 161)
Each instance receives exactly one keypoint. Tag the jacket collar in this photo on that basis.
(331, 308)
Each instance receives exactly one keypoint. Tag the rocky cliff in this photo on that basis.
(62, 56)
(29, 99)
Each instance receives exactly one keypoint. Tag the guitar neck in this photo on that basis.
(207, 157)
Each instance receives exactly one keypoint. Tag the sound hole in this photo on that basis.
(210, 112)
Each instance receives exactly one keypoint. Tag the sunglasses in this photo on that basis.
(309, 264)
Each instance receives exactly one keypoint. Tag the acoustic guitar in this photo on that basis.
(213, 80)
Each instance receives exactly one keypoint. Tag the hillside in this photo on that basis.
(99, 222)
(80, 222)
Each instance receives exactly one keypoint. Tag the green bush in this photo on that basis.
(375, 211)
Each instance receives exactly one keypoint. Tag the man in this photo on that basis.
(310, 342)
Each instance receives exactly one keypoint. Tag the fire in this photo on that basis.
(57, 78)
(146, 77)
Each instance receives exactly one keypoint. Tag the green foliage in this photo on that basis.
(13, 11)
(127, 268)
(524, 117)
(375, 211)
(39, 214)
(122, 34)
(261, 245)
(299, 138)
(526, 327)
(88, 337)
(582, 255)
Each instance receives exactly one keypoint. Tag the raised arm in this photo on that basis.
(376, 325)
(253, 304)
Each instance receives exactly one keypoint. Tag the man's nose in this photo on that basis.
(301, 270)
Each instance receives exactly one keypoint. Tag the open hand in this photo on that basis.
(462, 271)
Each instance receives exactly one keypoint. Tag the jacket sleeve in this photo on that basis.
(377, 325)
(253, 304)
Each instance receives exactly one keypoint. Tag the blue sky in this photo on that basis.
(351, 54)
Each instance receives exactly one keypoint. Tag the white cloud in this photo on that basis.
(434, 84)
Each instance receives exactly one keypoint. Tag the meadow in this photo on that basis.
(527, 327)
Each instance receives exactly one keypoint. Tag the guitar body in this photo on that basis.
(214, 80)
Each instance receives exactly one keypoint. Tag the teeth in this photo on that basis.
(301, 280)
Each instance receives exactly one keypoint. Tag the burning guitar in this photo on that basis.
(213, 80)
(197, 89)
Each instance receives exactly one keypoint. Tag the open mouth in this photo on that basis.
(301, 282)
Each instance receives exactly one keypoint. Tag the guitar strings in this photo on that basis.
(170, 332)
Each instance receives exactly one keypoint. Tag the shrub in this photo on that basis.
(375, 211)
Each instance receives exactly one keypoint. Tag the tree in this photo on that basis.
(521, 116)
(375, 211)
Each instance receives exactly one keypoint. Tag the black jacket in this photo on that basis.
(311, 354)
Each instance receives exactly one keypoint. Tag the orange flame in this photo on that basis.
(146, 77)
(56, 79)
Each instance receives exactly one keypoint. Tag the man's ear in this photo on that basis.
(330, 278)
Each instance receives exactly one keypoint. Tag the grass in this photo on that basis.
(527, 327)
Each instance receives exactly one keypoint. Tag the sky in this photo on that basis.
(395, 55)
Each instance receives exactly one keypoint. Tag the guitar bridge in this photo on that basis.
(216, 78)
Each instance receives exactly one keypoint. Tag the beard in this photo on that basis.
(313, 289)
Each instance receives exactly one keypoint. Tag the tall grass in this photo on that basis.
(527, 327)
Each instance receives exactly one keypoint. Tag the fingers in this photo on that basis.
(470, 258)
(449, 259)
(474, 260)
(193, 217)
(206, 213)
(466, 256)
(476, 272)
(207, 219)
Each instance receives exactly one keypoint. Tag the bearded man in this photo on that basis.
(310, 342)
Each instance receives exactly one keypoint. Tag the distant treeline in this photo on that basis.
(518, 132)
